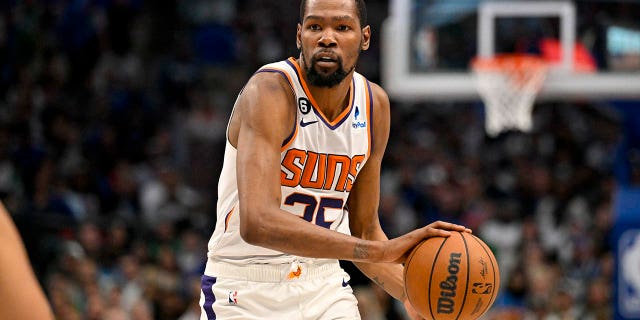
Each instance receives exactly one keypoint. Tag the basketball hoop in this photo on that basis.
(508, 85)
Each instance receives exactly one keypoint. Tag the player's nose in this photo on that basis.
(328, 38)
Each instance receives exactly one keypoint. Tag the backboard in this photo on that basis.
(428, 45)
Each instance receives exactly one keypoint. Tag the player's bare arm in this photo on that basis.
(365, 196)
(363, 207)
(20, 292)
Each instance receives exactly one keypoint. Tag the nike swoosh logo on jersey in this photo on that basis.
(345, 283)
(304, 124)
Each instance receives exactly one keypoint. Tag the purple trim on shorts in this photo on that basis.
(209, 298)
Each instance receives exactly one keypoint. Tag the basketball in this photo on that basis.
(451, 278)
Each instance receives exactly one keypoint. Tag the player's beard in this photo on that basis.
(318, 79)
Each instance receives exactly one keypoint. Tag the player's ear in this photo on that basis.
(299, 36)
(366, 38)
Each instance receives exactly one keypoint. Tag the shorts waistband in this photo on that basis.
(272, 272)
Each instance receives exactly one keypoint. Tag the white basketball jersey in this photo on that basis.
(320, 161)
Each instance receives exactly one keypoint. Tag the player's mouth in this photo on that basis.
(326, 60)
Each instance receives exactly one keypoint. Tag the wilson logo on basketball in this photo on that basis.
(455, 277)
(449, 286)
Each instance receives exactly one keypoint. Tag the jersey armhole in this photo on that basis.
(370, 116)
(286, 76)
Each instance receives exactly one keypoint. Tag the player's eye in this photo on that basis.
(343, 27)
(314, 27)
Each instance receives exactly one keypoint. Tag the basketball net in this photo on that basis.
(508, 85)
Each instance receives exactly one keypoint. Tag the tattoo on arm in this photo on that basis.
(378, 281)
(360, 251)
(381, 283)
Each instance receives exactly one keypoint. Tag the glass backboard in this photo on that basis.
(592, 45)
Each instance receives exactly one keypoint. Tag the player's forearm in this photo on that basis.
(387, 275)
(290, 234)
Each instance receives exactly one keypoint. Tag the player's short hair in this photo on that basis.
(362, 11)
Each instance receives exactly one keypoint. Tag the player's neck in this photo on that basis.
(332, 101)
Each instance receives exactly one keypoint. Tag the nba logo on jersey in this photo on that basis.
(629, 282)
(358, 124)
(233, 297)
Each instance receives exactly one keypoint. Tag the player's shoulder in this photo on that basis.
(379, 95)
(266, 95)
(377, 92)
(267, 86)
(266, 82)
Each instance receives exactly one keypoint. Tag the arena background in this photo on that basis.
(112, 119)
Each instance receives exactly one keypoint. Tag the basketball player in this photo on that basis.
(299, 188)
(20, 293)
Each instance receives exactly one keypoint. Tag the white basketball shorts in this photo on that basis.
(311, 291)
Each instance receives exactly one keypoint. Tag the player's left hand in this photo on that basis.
(411, 312)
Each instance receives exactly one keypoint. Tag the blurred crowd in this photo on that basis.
(112, 122)
(542, 200)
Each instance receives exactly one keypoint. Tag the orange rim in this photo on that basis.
(502, 61)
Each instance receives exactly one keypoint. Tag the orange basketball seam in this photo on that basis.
(424, 268)
(493, 269)
(433, 266)
(495, 283)
(406, 263)
(464, 299)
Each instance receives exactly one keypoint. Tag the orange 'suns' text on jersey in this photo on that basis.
(319, 170)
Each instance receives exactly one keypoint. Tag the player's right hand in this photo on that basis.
(397, 250)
